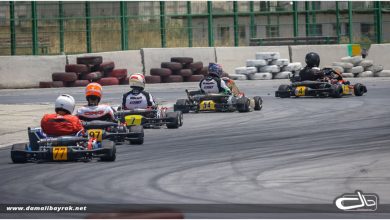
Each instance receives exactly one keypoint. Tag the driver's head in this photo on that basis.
(93, 93)
(312, 60)
(137, 81)
(215, 69)
(64, 104)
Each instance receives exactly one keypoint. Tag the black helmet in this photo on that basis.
(312, 59)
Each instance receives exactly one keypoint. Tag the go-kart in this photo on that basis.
(333, 85)
(150, 118)
(198, 101)
(95, 143)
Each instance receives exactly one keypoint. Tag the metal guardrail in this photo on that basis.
(293, 41)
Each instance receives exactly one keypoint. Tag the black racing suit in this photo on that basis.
(311, 74)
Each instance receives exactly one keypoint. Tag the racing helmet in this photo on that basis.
(93, 91)
(65, 102)
(215, 69)
(137, 80)
(312, 60)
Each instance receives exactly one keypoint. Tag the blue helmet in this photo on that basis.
(215, 69)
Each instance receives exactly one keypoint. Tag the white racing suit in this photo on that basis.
(136, 99)
(100, 112)
(214, 85)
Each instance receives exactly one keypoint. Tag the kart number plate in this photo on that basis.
(60, 153)
(300, 91)
(132, 120)
(346, 90)
(95, 133)
(207, 106)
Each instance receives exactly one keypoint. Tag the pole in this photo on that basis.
(189, 23)
(61, 25)
(12, 27)
(350, 22)
(124, 31)
(252, 30)
(295, 14)
(162, 25)
(210, 23)
(34, 28)
(378, 21)
(88, 26)
(307, 10)
(235, 21)
(338, 22)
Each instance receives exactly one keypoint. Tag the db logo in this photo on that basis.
(94, 113)
(357, 201)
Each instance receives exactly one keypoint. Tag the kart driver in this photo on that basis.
(311, 71)
(137, 98)
(213, 82)
(62, 122)
(94, 111)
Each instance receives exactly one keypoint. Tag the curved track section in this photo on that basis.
(294, 151)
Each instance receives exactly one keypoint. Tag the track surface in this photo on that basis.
(294, 151)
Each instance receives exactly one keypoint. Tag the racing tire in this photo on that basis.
(137, 129)
(106, 67)
(108, 81)
(90, 60)
(185, 72)
(172, 79)
(78, 83)
(337, 91)
(66, 77)
(285, 89)
(77, 68)
(118, 73)
(44, 84)
(94, 76)
(58, 84)
(152, 79)
(160, 72)
(182, 105)
(124, 81)
(18, 153)
(182, 60)
(110, 147)
(359, 89)
(243, 104)
(197, 66)
(174, 66)
(258, 103)
(194, 78)
(177, 119)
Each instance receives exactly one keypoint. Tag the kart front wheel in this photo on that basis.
(18, 153)
(359, 89)
(337, 91)
(182, 105)
(258, 103)
(177, 119)
(110, 148)
(243, 104)
(284, 91)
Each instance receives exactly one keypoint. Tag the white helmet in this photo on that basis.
(137, 80)
(65, 102)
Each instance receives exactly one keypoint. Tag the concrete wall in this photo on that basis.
(232, 57)
(379, 54)
(129, 59)
(328, 53)
(153, 57)
(27, 71)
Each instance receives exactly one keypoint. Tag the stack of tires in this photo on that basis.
(88, 69)
(358, 67)
(179, 69)
(267, 65)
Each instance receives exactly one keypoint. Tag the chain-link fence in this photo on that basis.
(48, 27)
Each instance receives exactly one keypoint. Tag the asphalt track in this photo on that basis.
(294, 151)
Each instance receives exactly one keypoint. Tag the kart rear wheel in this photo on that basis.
(140, 130)
(337, 91)
(243, 104)
(258, 103)
(182, 105)
(110, 147)
(177, 119)
(359, 89)
(284, 91)
(18, 153)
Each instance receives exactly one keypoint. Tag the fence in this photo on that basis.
(47, 27)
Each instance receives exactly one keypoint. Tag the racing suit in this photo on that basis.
(311, 74)
(60, 125)
(232, 86)
(136, 99)
(100, 112)
(213, 85)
